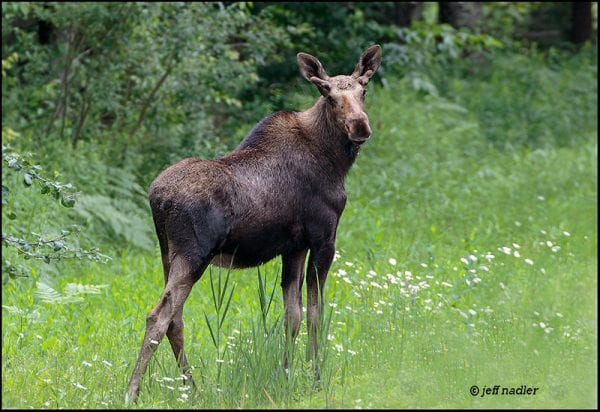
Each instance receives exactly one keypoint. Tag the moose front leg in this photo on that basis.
(292, 278)
(319, 263)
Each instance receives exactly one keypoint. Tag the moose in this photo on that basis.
(280, 192)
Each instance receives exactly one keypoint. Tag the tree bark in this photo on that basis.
(460, 14)
(581, 21)
(85, 108)
(149, 101)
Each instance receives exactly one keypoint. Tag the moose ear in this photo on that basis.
(310, 66)
(312, 70)
(368, 64)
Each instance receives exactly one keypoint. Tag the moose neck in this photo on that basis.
(331, 142)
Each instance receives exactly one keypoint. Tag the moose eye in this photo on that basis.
(330, 100)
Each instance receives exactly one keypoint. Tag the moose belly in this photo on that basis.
(249, 249)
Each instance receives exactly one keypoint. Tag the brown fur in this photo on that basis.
(280, 192)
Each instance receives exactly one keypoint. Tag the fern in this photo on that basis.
(72, 293)
(117, 217)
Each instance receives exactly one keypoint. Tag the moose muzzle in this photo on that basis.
(358, 128)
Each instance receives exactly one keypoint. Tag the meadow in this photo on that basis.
(467, 259)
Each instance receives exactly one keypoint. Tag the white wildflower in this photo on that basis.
(392, 261)
(529, 261)
(79, 386)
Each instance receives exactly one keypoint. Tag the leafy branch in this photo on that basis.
(36, 246)
(31, 172)
(52, 248)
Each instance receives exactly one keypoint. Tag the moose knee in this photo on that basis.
(151, 319)
(176, 326)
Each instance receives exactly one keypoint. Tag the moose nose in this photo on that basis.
(358, 128)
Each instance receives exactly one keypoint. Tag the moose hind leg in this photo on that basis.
(181, 278)
(175, 335)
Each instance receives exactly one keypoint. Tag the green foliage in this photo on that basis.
(72, 293)
(32, 245)
(425, 54)
(511, 97)
(117, 219)
(140, 74)
(30, 172)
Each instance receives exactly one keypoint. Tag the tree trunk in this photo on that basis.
(460, 14)
(581, 21)
(401, 13)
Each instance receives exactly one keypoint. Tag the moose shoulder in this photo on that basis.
(280, 192)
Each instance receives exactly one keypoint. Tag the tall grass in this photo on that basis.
(460, 262)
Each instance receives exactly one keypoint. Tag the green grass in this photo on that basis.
(460, 263)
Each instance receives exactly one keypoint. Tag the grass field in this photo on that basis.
(463, 260)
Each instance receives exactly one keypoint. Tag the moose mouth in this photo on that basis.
(358, 141)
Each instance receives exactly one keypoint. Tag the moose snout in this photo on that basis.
(358, 128)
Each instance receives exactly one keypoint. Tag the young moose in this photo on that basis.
(281, 192)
